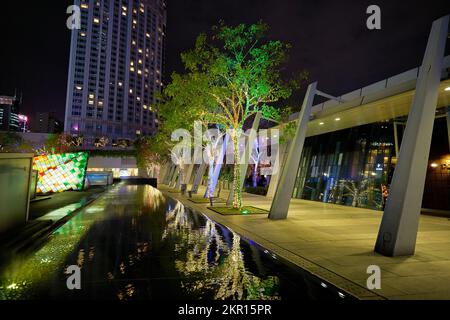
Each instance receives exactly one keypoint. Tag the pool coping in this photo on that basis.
(340, 282)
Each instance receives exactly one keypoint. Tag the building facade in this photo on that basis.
(116, 68)
(46, 122)
(9, 113)
(352, 145)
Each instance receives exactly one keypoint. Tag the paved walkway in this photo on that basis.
(336, 242)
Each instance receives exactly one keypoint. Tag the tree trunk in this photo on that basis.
(209, 192)
(237, 197)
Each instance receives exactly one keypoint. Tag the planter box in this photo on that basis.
(15, 183)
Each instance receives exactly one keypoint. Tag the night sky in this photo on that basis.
(329, 39)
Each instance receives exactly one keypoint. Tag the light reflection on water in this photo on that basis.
(133, 243)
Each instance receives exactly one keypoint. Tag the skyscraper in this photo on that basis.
(9, 113)
(116, 68)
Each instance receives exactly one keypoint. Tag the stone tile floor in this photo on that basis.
(340, 239)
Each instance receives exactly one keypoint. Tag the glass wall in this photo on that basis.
(350, 167)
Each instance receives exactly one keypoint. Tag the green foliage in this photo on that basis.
(10, 141)
(241, 70)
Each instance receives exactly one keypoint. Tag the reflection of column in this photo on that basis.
(246, 155)
(279, 163)
(398, 230)
(198, 178)
(283, 194)
(448, 126)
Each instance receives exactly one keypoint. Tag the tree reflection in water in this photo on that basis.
(214, 263)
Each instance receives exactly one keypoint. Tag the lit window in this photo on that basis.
(91, 96)
(96, 20)
(84, 5)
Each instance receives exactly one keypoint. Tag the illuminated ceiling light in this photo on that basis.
(434, 165)
(337, 119)
(447, 89)
(321, 124)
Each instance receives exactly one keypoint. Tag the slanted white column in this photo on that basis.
(198, 177)
(400, 223)
(189, 171)
(219, 164)
(169, 174)
(173, 182)
(245, 159)
(283, 194)
(278, 163)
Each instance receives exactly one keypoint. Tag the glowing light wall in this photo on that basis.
(61, 172)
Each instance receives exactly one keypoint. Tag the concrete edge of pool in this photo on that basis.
(344, 284)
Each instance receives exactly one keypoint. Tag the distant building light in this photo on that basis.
(23, 118)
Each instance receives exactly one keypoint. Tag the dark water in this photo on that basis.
(134, 244)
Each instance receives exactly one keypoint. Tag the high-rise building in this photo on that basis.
(46, 122)
(116, 68)
(9, 113)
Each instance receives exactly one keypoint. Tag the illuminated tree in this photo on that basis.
(240, 69)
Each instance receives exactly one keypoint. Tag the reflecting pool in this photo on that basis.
(133, 244)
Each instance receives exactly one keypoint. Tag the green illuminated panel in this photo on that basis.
(61, 172)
